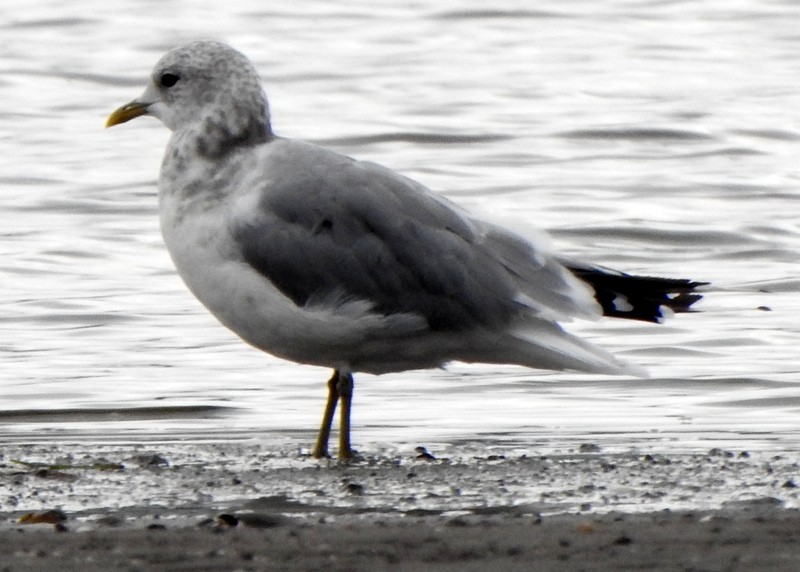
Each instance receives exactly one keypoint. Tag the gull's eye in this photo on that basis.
(169, 79)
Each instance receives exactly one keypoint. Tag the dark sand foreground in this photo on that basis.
(651, 541)
(248, 507)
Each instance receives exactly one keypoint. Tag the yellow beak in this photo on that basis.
(127, 112)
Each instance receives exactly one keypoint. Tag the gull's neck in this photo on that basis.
(227, 128)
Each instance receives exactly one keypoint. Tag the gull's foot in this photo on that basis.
(320, 453)
(344, 455)
(350, 456)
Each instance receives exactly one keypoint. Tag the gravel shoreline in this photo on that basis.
(249, 506)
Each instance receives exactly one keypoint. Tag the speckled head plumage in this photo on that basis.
(208, 91)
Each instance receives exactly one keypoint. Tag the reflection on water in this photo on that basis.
(659, 138)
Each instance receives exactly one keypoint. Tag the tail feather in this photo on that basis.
(638, 297)
(543, 344)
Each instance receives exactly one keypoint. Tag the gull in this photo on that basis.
(322, 259)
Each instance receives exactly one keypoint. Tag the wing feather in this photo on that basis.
(331, 228)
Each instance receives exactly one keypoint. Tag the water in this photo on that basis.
(657, 137)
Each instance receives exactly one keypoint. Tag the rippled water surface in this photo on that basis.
(656, 137)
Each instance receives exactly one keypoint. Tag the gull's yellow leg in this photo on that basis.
(345, 390)
(321, 449)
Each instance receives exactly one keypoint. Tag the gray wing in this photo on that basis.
(336, 229)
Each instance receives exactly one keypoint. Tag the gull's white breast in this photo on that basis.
(198, 212)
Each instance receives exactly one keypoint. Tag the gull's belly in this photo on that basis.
(210, 263)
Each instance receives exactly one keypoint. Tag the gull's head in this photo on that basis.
(207, 87)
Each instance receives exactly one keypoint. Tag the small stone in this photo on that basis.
(423, 454)
(154, 460)
(354, 489)
(586, 527)
(54, 475)
(53, 516)
(226, 520)
(110, 520)
(254, 520)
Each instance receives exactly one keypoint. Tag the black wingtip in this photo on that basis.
(641, 298)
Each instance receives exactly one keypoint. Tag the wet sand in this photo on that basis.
(249, 506)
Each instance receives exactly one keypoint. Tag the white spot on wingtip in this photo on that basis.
(666, 314)
(621, 304)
